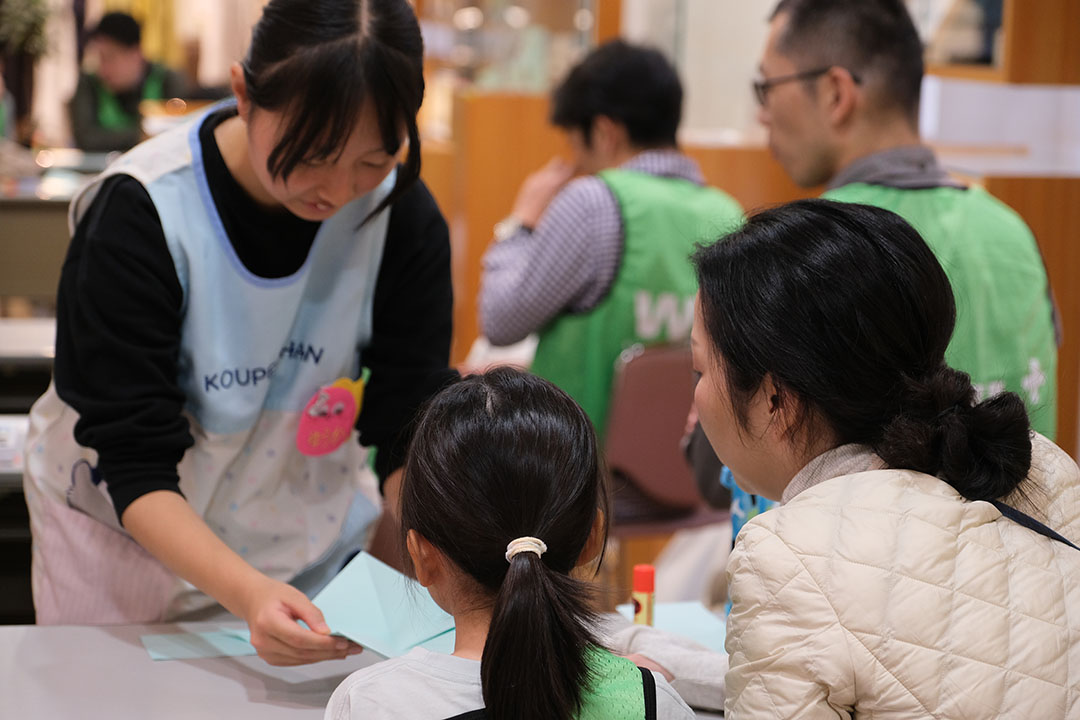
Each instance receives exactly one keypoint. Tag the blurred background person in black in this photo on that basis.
(105, 109)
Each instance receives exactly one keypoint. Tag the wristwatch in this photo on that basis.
(506, 228)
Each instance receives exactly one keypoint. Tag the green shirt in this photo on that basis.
(112, 115)
(7, 115)
(103, 122)
(1004, 336)
(651, 300)
(617, 691)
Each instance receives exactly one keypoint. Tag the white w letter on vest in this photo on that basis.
(653, 313)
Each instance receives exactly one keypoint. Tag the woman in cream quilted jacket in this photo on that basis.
(888, 584)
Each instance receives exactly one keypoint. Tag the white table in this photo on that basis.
(104, 673)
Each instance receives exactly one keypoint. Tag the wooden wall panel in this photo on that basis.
(33, 243)
(1042, 41)
(437, 172)
(1070, 73)
(608, 20)
(500, 139)
(1041, 45)
(1051, 207)
(750, 174)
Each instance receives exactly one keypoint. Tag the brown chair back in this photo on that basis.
(651, 398)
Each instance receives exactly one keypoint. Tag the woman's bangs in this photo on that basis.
(332, 82)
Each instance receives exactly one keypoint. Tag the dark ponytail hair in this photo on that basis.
(496, 457)
(848, 311)
(319, 61)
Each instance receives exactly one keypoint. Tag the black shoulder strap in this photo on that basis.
(1029, 522)
(649, 684)
(471, 715)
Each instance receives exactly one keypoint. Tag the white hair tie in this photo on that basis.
(525, 544)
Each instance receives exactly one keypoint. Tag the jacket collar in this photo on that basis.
(843, 460)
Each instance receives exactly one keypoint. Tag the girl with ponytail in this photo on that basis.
(503, 496)
(920, 563)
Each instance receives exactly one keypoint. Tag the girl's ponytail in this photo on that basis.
(535, 664)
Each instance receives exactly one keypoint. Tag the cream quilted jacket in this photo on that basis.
(884, 594)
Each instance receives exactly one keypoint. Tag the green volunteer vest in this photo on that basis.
(1004, 336)
(651, 300)
(112, 116)
(616, 692)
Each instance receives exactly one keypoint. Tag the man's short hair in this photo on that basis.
(635, 86)
(874, 39)
(119, 27)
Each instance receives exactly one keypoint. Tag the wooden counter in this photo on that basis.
(33, 242)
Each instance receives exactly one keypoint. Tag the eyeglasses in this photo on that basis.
(762, 87)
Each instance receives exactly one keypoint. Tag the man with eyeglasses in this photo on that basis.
(839, 95)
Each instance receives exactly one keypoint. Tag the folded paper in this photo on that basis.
(367, 602)
(188, 646)
(375, 606)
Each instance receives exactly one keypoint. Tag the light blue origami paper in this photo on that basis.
(441, 643)
(187, 646)
(368, 602)
(377, 607)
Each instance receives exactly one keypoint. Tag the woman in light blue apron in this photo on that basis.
(203, 444)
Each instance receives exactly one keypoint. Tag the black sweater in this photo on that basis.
(119, 315)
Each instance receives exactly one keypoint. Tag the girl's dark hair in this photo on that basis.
(319, 61)
(848, 311)
(496, 457)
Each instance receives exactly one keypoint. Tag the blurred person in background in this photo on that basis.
(7, 106)
(599, 263)
(105, 113)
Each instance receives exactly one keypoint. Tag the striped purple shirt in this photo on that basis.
(569, 262)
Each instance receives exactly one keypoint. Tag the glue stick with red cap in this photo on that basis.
(644, 586)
